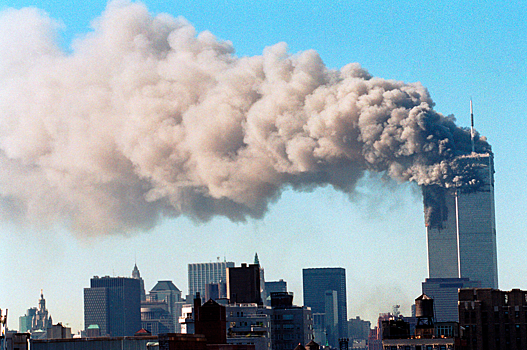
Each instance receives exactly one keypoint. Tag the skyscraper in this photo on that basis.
(137, 275)
(461, 236)
(114, 304)
(243, 284)
(273, 287)
(36, 319)
(201, 274)
(317, 284)
(168, 292)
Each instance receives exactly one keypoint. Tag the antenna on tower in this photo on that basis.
(471, 126)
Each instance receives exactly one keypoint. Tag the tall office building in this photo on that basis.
(166, 291)
(42, 319)
(243, 284)
(137, 275)
(201, 274)
(318, 284)
(113, 304)
(273, 287)
(262, 277)
(461, 236)
(444, 291)
(331, 314)
(25, 322)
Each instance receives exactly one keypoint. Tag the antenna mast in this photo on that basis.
(471, 126)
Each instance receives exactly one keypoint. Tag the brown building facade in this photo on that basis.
(210, 320)
(243, 284)
(493, 319)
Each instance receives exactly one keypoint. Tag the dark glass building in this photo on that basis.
(317, 282)
(114, 304)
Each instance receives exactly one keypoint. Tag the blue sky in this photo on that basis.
(468, 49)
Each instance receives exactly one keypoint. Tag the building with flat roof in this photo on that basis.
(249, 324)
(318, 286)
(493, 319)
(444, 291)
(273, 287)
(201, 274)
(461, 235)
(114, 304)
(243, 284)
(290, 325)
(461, 228)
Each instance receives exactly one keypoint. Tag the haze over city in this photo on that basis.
(376, 231)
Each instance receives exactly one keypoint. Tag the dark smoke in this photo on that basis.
(147, 119)
(467, 175)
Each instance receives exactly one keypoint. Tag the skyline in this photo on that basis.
(335, 221)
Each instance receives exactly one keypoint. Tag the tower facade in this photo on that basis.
(318, 283)
(114, 304)
(461, 234)
(201, 274)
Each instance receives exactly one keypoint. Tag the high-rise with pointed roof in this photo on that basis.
(137, 275)
(263, 293)
(42, 319)
(166, 291)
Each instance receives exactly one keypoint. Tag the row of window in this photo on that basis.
(417, 347)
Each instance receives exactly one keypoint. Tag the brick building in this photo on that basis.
(493, 319)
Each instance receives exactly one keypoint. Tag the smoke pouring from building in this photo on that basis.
(146, 119)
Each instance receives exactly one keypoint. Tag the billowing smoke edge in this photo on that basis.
(147, 119)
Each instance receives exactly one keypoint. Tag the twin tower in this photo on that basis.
(461, 238)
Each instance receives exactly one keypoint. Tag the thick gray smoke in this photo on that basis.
(145, 119)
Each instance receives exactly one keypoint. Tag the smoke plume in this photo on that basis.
(145, 119)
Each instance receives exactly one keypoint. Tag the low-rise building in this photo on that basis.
(249, 324)
(290, 325)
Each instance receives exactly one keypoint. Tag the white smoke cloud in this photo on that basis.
(146, 118)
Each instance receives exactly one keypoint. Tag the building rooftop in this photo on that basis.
(165, 285)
